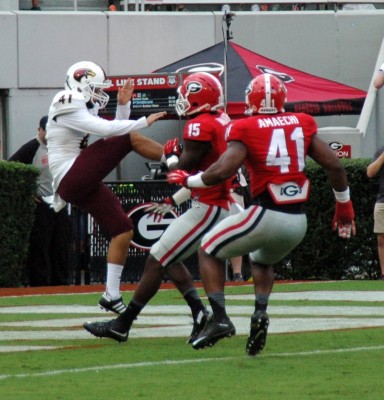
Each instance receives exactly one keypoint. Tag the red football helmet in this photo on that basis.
(199, 92)
(265, 94)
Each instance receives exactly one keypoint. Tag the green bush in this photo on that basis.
(17, 191)
(322, 254)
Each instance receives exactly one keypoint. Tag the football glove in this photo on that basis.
(343, 219)
(159, 210)
(172, 151)
(178, 177)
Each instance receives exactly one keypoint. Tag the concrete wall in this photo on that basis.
(6, 5)
(40, 46)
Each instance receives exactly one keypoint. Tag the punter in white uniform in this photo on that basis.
(78, 170)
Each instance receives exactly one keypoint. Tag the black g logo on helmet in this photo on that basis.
(79, 74)
(194, 87)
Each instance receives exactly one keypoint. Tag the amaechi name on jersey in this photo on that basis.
(280, 120)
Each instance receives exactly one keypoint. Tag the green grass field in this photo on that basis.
(325, 342)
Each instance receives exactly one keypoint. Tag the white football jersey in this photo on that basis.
(69, 120)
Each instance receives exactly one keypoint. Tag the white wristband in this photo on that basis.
(196, 181)
(181, 196)
(342, 197)
(172, 160)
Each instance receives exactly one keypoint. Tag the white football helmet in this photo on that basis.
(89, 79)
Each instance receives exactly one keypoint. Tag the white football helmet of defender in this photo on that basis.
(89, 79)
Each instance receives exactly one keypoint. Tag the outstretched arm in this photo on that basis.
(146, 147)
(227, 165)
(154, 117)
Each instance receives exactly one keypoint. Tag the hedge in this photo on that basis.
(17, 191)
(322, 254)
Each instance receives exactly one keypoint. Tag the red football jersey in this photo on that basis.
(277, 147)
(211, 128)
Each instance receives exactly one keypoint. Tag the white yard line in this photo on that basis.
(184, 310)
(174, 321)
(179, 327)
(13, 349)
(184, 362)
(320, 295)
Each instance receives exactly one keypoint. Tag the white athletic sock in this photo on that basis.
(114, 272)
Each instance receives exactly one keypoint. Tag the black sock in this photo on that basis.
(217, 302)
(261, 302)
(126, 319)
(193, 300)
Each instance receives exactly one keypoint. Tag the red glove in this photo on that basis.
(178, 177)
(343, 220)
(159, 210)
(172, 151)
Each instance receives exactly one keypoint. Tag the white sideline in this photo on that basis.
(173, 327)
(183, 362)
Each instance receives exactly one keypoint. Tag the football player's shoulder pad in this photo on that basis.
(65, 102)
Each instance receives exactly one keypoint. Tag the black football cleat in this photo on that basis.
(213, 332)
(198, 324)
(106, 329)
(258, 333)
(117, 306)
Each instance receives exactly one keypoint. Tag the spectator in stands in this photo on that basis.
(255, 7)
(376, 169)
(152, 7)
(48, 258)
(112, 6)
(181, 7)
(36, 5)
(226, 8)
